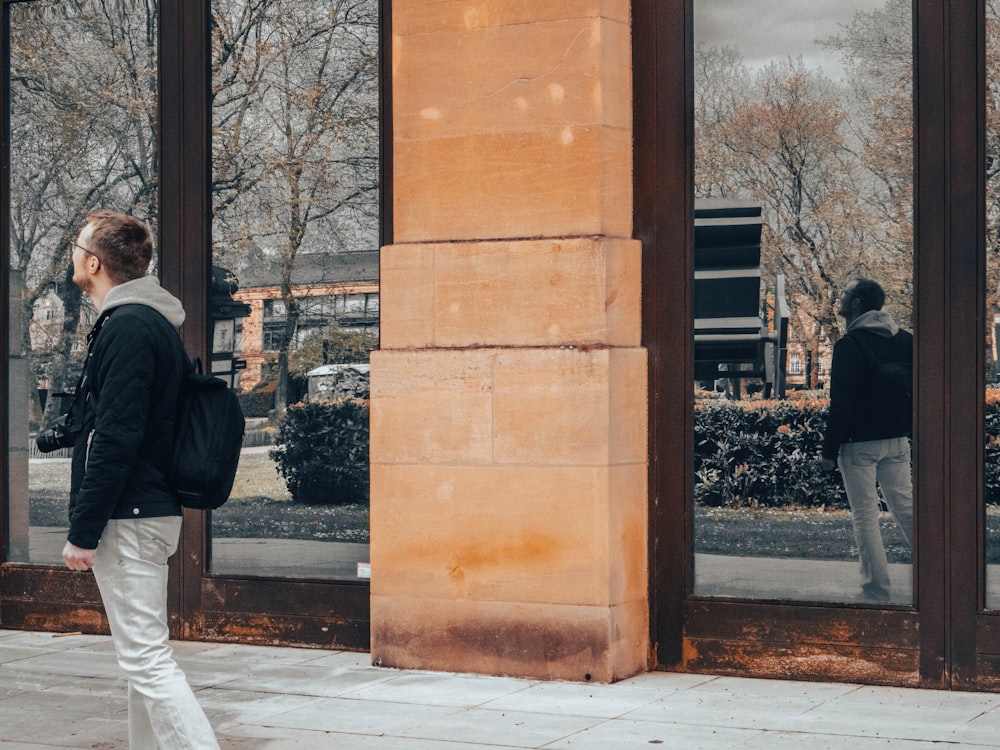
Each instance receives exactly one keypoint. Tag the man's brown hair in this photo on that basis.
(870, 293)
(122, 243)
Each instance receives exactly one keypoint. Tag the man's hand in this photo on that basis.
(78, 558)
(827, 464)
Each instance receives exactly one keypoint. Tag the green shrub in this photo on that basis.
(321, 450)
(991, 456)
(763, 454)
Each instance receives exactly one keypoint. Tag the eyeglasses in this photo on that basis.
(73, 245)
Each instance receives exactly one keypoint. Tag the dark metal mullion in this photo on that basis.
(185, 241)
(961, 347)
(663, 207)
(385, 123)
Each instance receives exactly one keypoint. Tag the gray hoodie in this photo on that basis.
(146, 291)
(875, 321)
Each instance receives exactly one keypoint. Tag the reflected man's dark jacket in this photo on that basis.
(858, 410)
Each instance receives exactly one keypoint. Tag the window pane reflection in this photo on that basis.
(992, 450)
(82, 114)
(295, 243)
(803, 180)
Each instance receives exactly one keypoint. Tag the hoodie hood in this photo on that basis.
(876, 321)
(146, 291)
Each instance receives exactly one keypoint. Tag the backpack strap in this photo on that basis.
(81, 393)
(96, 328)
(896, 374)
(866, 350)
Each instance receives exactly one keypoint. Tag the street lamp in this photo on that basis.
(224, 311)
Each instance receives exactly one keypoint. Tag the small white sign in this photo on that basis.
(364, 570)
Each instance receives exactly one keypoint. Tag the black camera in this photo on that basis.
(60, 435)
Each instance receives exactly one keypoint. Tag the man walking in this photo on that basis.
(868, 427)
(124, 519)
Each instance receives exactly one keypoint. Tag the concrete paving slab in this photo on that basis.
(322, 682)
(260, 698)
(642, 735)
(598, 701)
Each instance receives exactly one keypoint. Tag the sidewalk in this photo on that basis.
(65, 692)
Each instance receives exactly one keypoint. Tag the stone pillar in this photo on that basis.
(508, 423)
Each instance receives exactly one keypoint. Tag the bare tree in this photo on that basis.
(790, 154)
(297, 89)
(83, 109)
(720, 90)
(830, 162)
(877, 50)
(295, 142)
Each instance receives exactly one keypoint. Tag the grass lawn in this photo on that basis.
(805, 533)
(772, 532)
(259, 506)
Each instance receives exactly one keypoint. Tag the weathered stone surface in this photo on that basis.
(578, 291)
(513, 476)
(571, 181)
(433, 407)
(508, 128)
(541, 641)
(464, 82)
(508, 411)
(426, 16)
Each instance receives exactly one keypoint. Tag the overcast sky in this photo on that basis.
(767, 29)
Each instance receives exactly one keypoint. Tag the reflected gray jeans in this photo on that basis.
(130, 565)
(887, 464)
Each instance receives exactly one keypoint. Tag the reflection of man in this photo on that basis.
(124, 519)
(868, 427)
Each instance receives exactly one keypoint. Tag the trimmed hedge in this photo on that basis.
(991, 457)
(321, 450)
(763, 454)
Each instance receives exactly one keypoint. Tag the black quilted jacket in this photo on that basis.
(126, 414)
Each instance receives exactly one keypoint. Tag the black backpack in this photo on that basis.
(893, 379)
(207, 440)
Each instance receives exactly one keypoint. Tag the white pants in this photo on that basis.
(866, 466)
(130, 565)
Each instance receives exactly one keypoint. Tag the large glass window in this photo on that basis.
(295, 228)
(83, 103)
(804, 181)
(991, 482)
